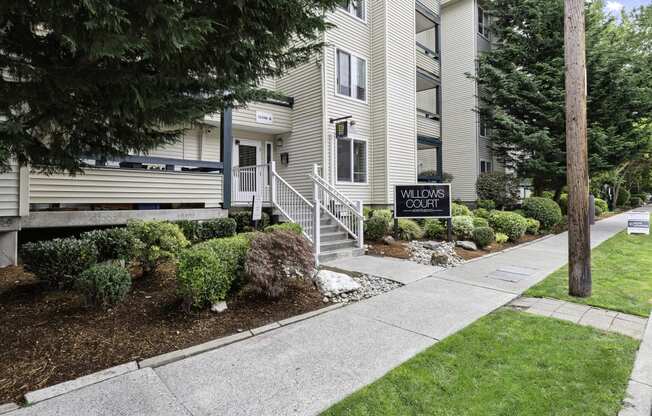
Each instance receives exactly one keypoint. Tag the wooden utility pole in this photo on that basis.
(579, 231)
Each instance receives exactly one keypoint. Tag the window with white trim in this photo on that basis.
(484, 130)
(485, 166)
(351, 76)
(483, 23)
(351, 160)
(354, 7)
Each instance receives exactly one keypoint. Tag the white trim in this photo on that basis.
(352, 138)
(337, 70)
(349, 13)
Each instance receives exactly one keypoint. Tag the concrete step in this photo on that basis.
(326, 221)
(333, 236)
(327, 229)
(340, 254)
(326, 246)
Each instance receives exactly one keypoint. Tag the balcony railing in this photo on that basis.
(428, 124)
(427, 59)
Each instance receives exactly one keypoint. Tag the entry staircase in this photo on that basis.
(332, 222)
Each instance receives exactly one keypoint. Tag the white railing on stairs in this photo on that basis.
(293, 205)
(347, 214)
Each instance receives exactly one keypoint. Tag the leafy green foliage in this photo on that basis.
(602, 204)
(480, 222)
(483, 236)
(276, 259)
(104, 285)
(563, 203)
(383, 213)
(481, 213)
(499, 187)
(487, 204)
(545, 210)
(501, 238)
(623, 198)
(375, 228)
(408, 230)
(204, 277)
(460, 210)
(120, 73)
(114, 244)
(244, 223)
(217, 228)
(162, 241)
(509, 223)
(533, 226)
(60, 261)
(434, 229)
(231, 253)
(463, 226)
(287, 226)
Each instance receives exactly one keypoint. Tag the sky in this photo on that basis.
(614, 6)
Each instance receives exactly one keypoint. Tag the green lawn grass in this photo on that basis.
(508, 363)
(622, 277)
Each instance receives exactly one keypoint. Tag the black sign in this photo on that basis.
(422, 201)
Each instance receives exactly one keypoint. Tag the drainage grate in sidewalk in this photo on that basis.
(511, 274)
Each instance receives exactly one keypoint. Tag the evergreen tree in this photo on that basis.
(112, 77)
(522, 88)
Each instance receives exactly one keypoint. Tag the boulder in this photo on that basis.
(438, 259)
(333, 283)
(467, 245)
(389, 240)
(219, 307)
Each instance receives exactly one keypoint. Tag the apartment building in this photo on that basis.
(360, 117)
(466, 148)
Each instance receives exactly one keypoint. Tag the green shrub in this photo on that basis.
(463, 226)
(499, 187)
(487, 204)
(635, 202)
(458, 210)
(602, 204)
(563, 203)
(434, 229)
(623, 197)
(162, 241)
(232, 252)
(276, 259)
(366, 212)
(508, 223)
(191, 230)
(60, 261)
(408, 230)
(243, 220)
(114, 244)
(204, 278)
(217, 228)
(375, 228)
(480, 222)
(482, 213)
(545, 210)
(598, 211)
(501, 238)
(383, 213)
(548, 194)
(483, 236)
(286, 226)
(533, 226)
(104, 285)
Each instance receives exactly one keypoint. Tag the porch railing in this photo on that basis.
(250, 181)
(348, 214)
(293, 205)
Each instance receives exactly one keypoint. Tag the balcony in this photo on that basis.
(428, 124)
(427, 60)
(427, 14)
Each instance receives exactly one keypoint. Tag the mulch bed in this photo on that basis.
(49, 336)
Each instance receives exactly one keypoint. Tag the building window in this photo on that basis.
(351, 160)
(354, 7)
(484, 130)
(483, 23)
(485, 166)
(351, 76)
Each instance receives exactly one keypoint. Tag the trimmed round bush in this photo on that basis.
(162, 241)
(386, 214)
(204, 278)
(509, 223)
(375, 228)
(286, 226)
(463, 226)
(483, 236)
(487, 204)
(501, 238)
(409, 230)
(563, 203)
(623, 197)
(366, 212)
(458, 210)
(434, 228)
(598, 211)
(602, 204)
(114, 244)
(232, 252)
(244, 223)
(480, 222)
(60, 261)
(533, 226)
(482, 213)
(545, 210)
(191, 230)
(104, 285)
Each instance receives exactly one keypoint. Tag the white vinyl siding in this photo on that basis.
(379, 157)
(9, 192)
(198, 143)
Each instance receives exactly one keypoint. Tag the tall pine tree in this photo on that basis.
(110, 77)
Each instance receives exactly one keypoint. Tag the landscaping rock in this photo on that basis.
(219, 307)
(438, 259)
(389, 240)
(370, 286)
(434, 253)
(467, 245)
(333, 283)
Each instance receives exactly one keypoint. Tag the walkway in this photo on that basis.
(303, 368)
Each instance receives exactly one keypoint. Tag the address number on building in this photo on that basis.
(422, 201)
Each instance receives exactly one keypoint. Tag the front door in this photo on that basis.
(248, 177)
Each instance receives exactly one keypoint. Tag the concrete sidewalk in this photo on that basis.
(303, 368)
